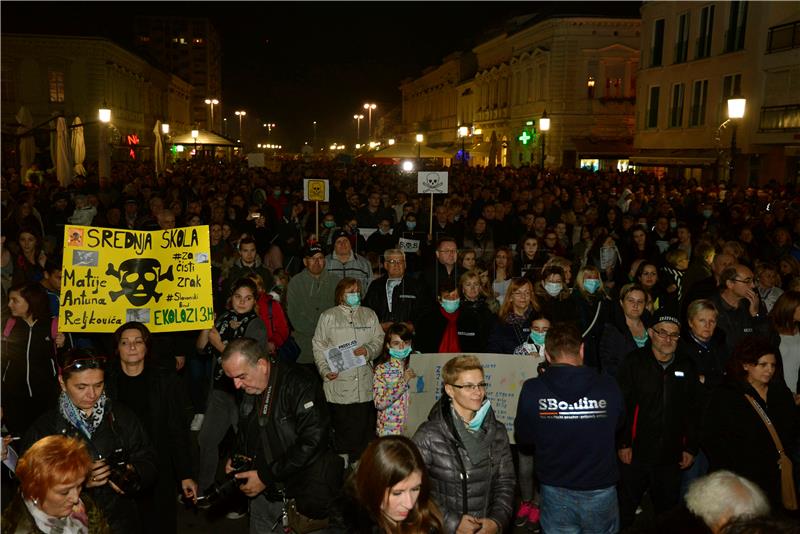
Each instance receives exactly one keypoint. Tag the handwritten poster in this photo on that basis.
(504, 375)
(161, 278)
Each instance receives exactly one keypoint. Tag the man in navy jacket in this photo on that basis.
(571, 415)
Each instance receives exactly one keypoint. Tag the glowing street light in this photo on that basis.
(358, 118)
(369, 107)
(240, 114)
(544, 126)
(420, 138)
(212, 102)
(736, 105)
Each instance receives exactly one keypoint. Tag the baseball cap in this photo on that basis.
(339, 233)
(665, 318)
(312, 249)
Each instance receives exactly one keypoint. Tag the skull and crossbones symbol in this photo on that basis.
(431, 182)
(138, 279)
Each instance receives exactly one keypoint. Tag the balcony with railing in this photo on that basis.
(780, 119)
(783, 37)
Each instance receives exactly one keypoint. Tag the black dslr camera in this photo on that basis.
(224, 489)
(123, 475)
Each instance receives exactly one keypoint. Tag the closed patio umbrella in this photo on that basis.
(63, 165)
(78, 147)
(160, 162)
(27, 144)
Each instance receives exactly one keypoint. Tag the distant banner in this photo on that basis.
(504, 374)
(161, 278)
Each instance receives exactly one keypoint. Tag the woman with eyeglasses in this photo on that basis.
(51, 475)
(123, 460)
(626, 330)
(28, 357)
(467, 453)
(513, 323)
(158, 398)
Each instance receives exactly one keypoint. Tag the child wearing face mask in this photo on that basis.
(534, 345)
(392, 381)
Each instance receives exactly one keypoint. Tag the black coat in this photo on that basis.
(410, 301)
(507, 336)
(474, 324)
(709, 362)
(661, 407)
(734, 437)
(617, 341)
(167, 427)
(593, 328)
(119, 428)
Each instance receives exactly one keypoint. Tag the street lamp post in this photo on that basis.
(463, 132)
(544, 126)
(420, 138)
(736, 105)
(104, 156)
(358, 118)
(240, 114)
(315, 135)
(212, 102)
(269, 126)
(165, 132)
(195, 135)
(369, 108)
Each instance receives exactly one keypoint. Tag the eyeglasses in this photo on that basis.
(95, 362)
(666, 335)
(471, 387)
(447, 251)
(395, 262)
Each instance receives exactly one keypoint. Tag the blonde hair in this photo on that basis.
(459, 364)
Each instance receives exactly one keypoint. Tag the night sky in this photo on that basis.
(292, 63)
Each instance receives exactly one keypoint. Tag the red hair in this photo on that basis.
(50, 461)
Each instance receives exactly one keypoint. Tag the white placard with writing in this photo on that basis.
(342, 358)
(408, 245)
(504, 375)
(432, 182)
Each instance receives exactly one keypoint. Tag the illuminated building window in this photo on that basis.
(56, 80)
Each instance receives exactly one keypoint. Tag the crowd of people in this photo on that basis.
(664, 311)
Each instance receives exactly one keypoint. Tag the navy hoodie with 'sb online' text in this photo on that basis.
(571, 416)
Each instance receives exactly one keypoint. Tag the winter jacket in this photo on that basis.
(410, 302)
(571, 415)
(617, 341)
(271, 312)
(737, 322)
(458, 486)
(340, 325)
(30, 386)
(474, 325)
(237, 271)
(18, 520)
(709, 361)
(661, 407)
(356, 266)
(735, 438)
(591, 323)
(120, 428)
(295, 456)
(390, 392)
(508, 335)
(306, 298)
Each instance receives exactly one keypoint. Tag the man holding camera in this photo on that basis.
(283, 441)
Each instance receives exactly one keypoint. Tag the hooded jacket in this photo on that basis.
(458, 486)
(570, 415)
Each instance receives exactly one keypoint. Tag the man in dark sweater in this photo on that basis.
(570, 415)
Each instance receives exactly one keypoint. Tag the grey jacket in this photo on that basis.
(356, 266)
(457, 486)
(306, 298)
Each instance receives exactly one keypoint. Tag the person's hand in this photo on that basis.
(409, 374)
(488, 526)
(385, 326)
(180, 361)
(228, 467)
(468, 525)
(99, 474)
(213, 337)
(331, 376)
(361, 351)
(253, 486)
(189, 488)
(687, 459)
(625, 455)
(60, 339)
(752, 297)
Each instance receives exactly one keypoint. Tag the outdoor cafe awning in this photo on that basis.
(203, 138)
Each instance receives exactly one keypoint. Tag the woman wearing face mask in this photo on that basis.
(513, 324)
(440, 333)
(553, 295)
(625, 331)
(475, 321)
(348, 326)
(51, 475)
(392, 380)
(593, 307)
(84, 412)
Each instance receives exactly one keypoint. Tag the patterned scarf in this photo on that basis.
(85, 423)
(77, 522)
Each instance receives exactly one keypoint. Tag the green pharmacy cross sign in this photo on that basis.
(525, 137)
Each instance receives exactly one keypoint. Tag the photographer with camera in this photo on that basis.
(285, 464)
(124, 462)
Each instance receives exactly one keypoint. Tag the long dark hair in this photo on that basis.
(401, 330)
(386, 462)
(748, 351)
(78, 359)
(134, 325)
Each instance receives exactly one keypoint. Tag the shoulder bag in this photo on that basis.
(788, 491)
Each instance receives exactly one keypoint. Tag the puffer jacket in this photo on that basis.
(340, 325)
(457, 486)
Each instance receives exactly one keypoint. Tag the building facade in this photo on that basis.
(580, 70)
(76, 76)
(190, 48)
(695, 56)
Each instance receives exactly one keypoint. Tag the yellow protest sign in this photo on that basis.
(161, 278)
